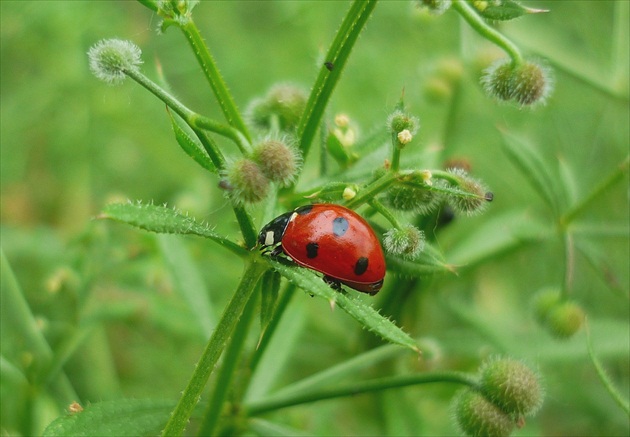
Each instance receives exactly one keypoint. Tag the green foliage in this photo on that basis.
(113, 330)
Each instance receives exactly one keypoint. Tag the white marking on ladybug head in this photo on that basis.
(293, 216)
(269, 238)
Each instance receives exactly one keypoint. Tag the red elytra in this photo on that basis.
(332, 240)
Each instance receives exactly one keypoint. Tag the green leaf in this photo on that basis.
(365, 314)
(504, 10)
(126, 417)
(188, 281)
(497, 235)
(430, 261)
(270, 284)
(165, 220)
(541, 176)
(191, 147)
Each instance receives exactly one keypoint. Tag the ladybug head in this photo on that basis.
(271, 234)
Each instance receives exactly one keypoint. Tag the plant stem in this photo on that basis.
(368, 193)
(201, 122)
(291, 399)
(226, 373)
(224, 329)
(338, 54)
(603, 376)
(488, 32)
(210, 70)
(385, 212)
(211, 147)
(569, 264)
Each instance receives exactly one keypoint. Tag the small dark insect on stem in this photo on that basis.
(329, 65)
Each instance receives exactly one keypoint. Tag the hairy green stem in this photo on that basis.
(226, 373)
(604, 378)
(224, 329)
(210, 70)
(488, 32)
(291, 399)
(327, 79)
(369, 192)
(201, 122)
(385, 212)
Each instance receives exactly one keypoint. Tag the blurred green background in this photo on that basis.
(70, 144)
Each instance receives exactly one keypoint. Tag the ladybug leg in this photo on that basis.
(332, 282)
(276, 251)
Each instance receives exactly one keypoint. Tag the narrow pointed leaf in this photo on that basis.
(125, 417)
(365, 314)
(191, 147)
(165, 220)
(539, 173)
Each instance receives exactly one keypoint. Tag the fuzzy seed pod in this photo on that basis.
(512, 386)
(477, 416)
(245, 182)
(528, 84)
(474, 195)
(418, 200)
(110, 58)
(278, 160)
(281, 108)
(561, 318)
(407, 242)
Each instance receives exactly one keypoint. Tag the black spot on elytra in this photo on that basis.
(311, 250)
(361, 266)
(340, 226)
(303, 210)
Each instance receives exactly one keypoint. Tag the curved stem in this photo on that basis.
(368, 193)
(385, 212)
(488, 32)
(224, 329)
(210, 70)
(337, 56)
(291, 399)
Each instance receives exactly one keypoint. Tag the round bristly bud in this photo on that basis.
(474, 195)
(278, 160)
(512, 386)
(532, 83)
(281, 108)
(543, 303)
(407, 242)
(497, 80)
(477, 416)
(435, 7)
(412, 199)
(527, 84)
(111, 59)
(399, 121)
(245, 182)
(565, 319)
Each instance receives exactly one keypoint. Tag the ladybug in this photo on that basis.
(329, 239)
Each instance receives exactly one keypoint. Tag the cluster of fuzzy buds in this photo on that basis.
(111, 59)
(508, 391)
(406, 242)
(273, 160)
(528, 83)
(562, 318)
(402, 127)
(421, 201)
(279, 110)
